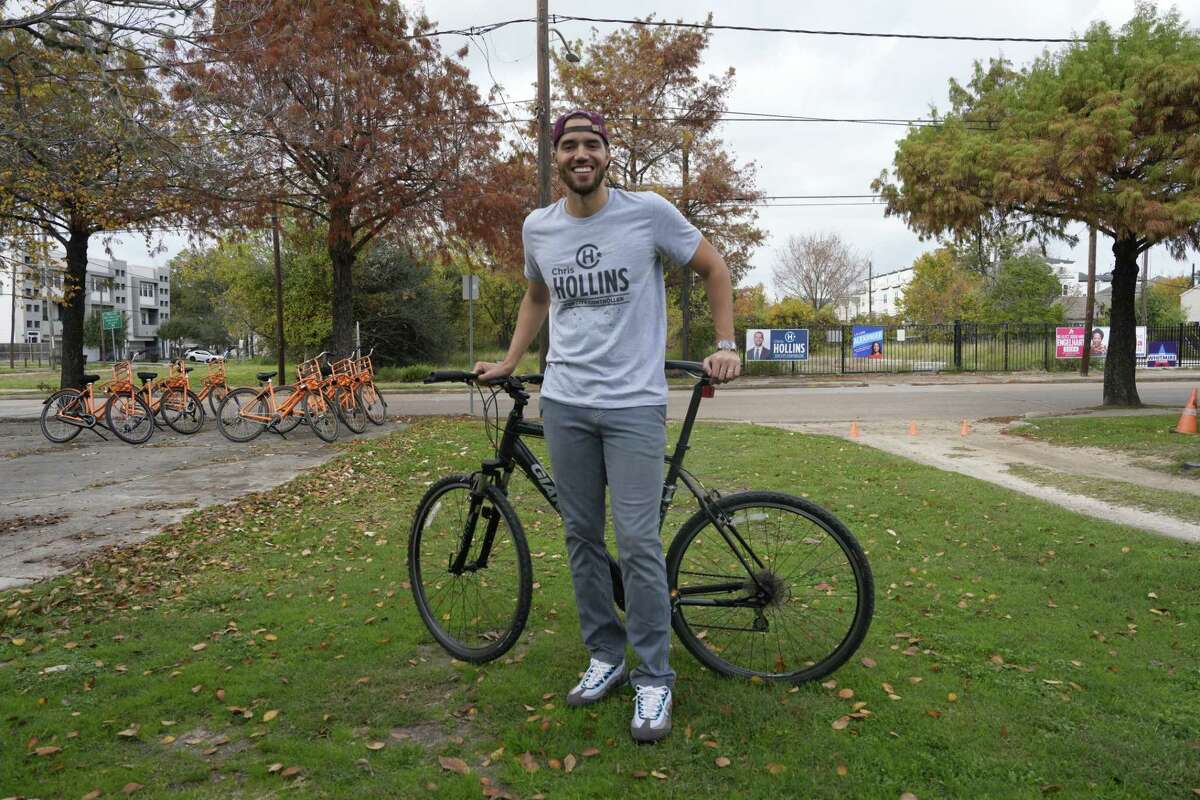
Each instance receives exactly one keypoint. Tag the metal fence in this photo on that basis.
(957, 347)
(30, 354)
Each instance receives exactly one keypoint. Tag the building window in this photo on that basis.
(147, 290)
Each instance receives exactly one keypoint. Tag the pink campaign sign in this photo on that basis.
(1068, 342)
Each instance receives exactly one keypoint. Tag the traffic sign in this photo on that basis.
(111, 320)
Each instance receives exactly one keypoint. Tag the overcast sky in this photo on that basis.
(821, 76)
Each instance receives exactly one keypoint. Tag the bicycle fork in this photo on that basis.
(458, 563)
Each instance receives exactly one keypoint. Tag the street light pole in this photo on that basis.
(543, 81)
(1090, 308)
(279, 349)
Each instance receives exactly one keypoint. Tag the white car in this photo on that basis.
(203, 356)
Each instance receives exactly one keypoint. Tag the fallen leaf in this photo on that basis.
(453, 764)
(842, 770)
(1052, 788)
(554, 763)
(92, 795)
(722, 762)
(130, 732)
(529, 762)
(167, 739)
(376, 745)
(591, 751)
(275, 767)
(908, 796)
(569, 763)
(290, 771)
(846, 694)
(47, 751)
(196, 648)
(774, 768)
(220, 694)
(829, 685)
(640, 773)
(840, 723)
(933, 712)
(270, 715)
(130, 788)
(656, 774)
(869, 663)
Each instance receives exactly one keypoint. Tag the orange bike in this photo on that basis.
(349, 410)
(178, 405)
(68, 411)
(369, 397)
(246, 412)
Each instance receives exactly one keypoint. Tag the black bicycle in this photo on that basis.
(763, 584)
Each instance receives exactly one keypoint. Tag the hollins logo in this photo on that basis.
(588, 256)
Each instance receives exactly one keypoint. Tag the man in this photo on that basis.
(594, 262)
(758, 352)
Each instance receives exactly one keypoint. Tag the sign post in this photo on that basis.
(110, 321)
(470, 290)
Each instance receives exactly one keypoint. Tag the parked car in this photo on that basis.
(203, 356)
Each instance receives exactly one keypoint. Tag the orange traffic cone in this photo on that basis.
(912, 428)
(965, 429)
(1187, 420)
(853, 429)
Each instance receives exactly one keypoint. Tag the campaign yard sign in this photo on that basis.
(868, 341)
(789, 344)
(1163, 354)
(1068, 342)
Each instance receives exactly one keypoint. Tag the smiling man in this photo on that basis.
(594, 262)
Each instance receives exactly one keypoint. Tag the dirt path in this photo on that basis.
(987, 453)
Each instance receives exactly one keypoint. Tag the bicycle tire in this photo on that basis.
(371, 399)
(182, 411)
(216, 393)
(427, 545)
(323, 419)
(61, 401)
(230, 422)
(697, 556)
(134, 417)
(354, 418)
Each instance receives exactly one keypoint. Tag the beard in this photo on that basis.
(584, 188)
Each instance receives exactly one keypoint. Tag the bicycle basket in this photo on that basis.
(216, 372)
(363, 368)
(309, 372)
(122, 376)
(343, 367)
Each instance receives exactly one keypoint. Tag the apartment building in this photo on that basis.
(142, 293)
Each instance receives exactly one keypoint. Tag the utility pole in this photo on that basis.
(870, 280)
(1090, 307)
(543, 81)
(12, 321)
(279, 349)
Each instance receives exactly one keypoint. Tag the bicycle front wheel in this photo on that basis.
(371, 399)
(129, 417)
(182, 410)
(470, 570)
(320, 415)
(243, 415)
(350, 411)
(793, 607)
(61, 410)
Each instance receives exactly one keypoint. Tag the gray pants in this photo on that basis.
(621, 448)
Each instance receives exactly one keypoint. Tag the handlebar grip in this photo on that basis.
(534, 378)
(449, 376)
(693, 367)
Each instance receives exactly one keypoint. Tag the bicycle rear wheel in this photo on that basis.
(794, 608)
(182, 410)
(63, 405)
(371, 399)
(216, 393)
(129, 417)
(477, 612)
(242, 415)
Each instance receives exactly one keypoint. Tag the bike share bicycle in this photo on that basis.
(763, 584)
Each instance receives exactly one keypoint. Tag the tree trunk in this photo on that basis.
(74, 296)
(1120, 384)
(341, 255)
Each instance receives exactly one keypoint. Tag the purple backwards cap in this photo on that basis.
(595, 124)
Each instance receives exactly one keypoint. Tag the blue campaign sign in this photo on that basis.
(789, 344)
(1163, 354)
(868, 341)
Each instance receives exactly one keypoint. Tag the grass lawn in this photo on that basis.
(1150, 439)
(272, 647)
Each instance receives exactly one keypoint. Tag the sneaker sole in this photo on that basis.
(649, 735)
(579, 702)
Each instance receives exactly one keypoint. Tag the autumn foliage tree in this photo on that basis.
(345, 112)
(78, 158)
(1103, 132)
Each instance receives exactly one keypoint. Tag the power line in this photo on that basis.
(813, 32)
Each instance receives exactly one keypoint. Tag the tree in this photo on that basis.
(818, 268)
(662, 120)
(95, 336)
(792, 312)
(70, 170)
(370, 124)
(1025, 290)
(403, 315)
(941, 291)
(1103, 133)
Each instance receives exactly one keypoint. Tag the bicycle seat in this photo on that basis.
(147, 376)
(90, 378)
(265, 376)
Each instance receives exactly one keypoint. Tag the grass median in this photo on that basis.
(1149, 439)
(272, 645)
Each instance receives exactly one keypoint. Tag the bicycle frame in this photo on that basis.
(512, 452)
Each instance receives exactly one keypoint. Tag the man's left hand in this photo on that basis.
(723, 366)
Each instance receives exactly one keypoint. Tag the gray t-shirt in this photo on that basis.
(608, 314)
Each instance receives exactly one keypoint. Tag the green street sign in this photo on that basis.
(111, 320)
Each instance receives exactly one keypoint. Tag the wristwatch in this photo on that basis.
(727, 344)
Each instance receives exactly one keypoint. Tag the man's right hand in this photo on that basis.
(490, 371)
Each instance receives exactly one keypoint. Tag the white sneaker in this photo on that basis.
(651, 713)
(597, 683)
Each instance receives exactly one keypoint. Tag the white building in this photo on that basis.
(1190, 302)
(877, 295)
(142, 293)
